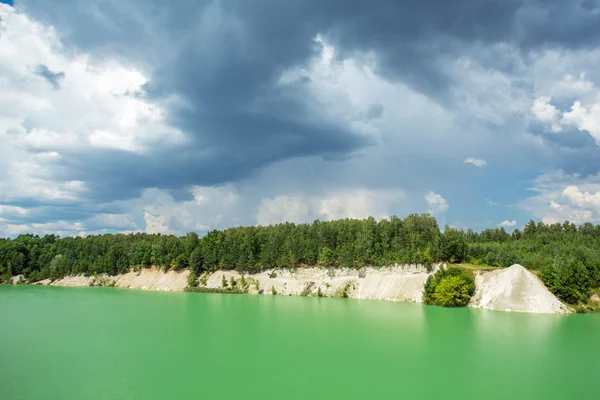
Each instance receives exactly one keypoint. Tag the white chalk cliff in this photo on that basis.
(509, 289)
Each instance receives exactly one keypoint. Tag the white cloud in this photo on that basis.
(486, 107)
(120, 221)
(562, 197)
(94, 106)
(282, 209)
(438, 205)
(491, 202)
(156, 223)
(12, 210)
(352, 203)
(61, 228)
(155, 211)
(42, 125)
(27, 179)
(358, 203)
(478, 162)
(508, 224)
(345, 91)
(582, 93)
(584, 118)
(487, 94)
(546, 113)
(338, 89)
(210, 208)
(582, 199)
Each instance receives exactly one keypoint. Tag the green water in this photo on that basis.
(104, 343)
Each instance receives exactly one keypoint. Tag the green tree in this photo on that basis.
(180, 262)
(196, 262)
(452, 292)
(192, 280)
(451, 287)
(326, 257)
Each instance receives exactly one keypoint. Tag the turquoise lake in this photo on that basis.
(106, 343)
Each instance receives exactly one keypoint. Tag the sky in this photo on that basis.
(170, 117)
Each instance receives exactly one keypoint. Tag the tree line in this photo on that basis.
(568, 256)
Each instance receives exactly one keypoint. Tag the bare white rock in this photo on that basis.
(514, 289)
(510, 289)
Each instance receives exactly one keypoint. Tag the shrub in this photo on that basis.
(204, 279)
(273, 290)
(213, 290)
(308, 287)
(362, 273)
(344, 291)
(452, 292)
(451, 287)
(192, 278)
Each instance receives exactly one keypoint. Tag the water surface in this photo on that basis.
(105, 343)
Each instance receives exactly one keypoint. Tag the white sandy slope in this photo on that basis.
(510, 289)
(395, 283)
(514, 289)
(147, 279)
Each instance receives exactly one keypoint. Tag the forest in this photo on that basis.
(566, 256)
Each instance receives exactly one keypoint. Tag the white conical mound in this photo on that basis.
(514, 289)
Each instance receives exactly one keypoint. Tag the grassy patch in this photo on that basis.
(204, 278)
(308, 287)
(228, 290)
(344, 291)
(474, 267)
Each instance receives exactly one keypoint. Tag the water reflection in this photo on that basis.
(502, 324)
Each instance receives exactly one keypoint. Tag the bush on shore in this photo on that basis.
(451, 287)
(192, 280)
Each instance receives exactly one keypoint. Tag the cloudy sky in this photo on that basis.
(146, 115)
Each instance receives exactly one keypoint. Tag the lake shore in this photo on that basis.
(510, 289)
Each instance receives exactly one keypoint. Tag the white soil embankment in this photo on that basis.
(154, 279)
(510, 289)
(514, 289)
(147, 279)
(394, 283)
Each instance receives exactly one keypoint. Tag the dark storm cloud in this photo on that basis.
(118, 174)
(53, 78)
(572, 24)
(229, 49)
(224, 59)
(46, 213)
